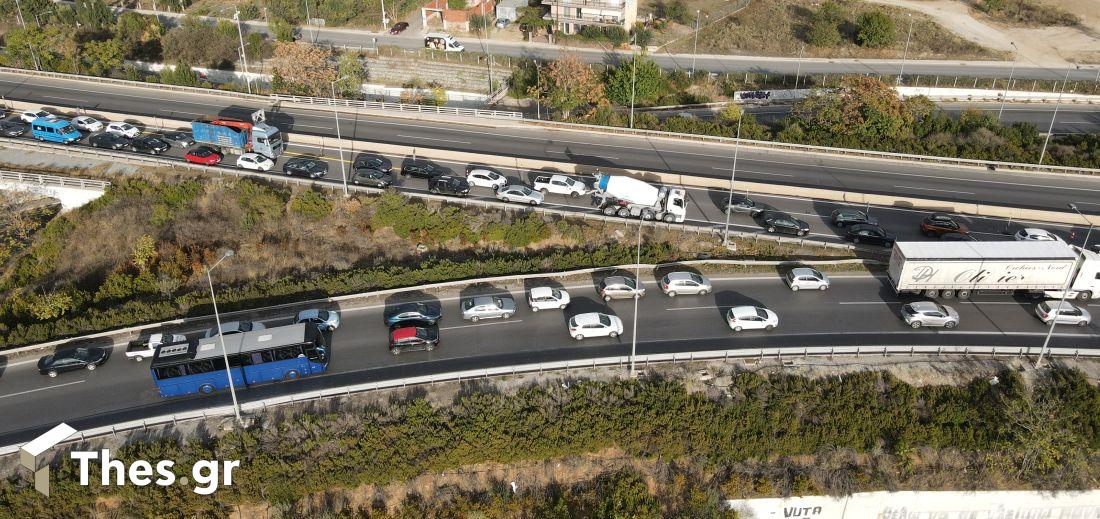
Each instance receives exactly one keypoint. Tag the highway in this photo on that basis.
(606, 151)
(713, 63)
(859, 309)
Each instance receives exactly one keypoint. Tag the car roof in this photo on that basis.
(803, 271)
(745, 310)
(925, 306)
(588, 318)
(311, 312)
(680, 275)
(541, 291)
(404, 333)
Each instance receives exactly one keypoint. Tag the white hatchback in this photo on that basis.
(88, 124)
(546, 298)
(1033, 234)
(805, 278)
(255, 162)
(124, 129)
(751, 318)
(485, 178)
(595, 324)
(30, 115)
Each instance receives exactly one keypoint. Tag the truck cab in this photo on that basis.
(1087, 282)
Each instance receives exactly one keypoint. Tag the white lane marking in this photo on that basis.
(65, 99)
(693, 308)
(42, 388)
(757, 172)
(935, 190)
(296, 125)
(179, 112)
(869, 302)
(509, 321)
(430, 139)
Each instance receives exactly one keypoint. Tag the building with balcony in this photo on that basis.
(436, 13)
(570, 15)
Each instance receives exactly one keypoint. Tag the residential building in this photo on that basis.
(571, 15)
(437, 13)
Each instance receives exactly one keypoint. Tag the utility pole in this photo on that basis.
(637, 287)
(695, 49)
(1057, 104)
(633, 76)
(244, 57)
(905, 53)
(339, 139)
(733, 174)
(221, 337)
(1015, 56)
(798, 71)
(309, 25)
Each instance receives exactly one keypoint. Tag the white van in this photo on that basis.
(442, 41)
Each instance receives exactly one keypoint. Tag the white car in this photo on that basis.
(751, 318)
(595, 324)
(485, 178)
(805, 278)
(519, 193)
(29, 116)
(685, 283)
(1033, 234)
(255, 162)
(88, 124)
(546, 298)
(1065, 314)
(124, 129)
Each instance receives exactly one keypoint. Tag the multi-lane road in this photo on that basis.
(859, 309)
(596, 149)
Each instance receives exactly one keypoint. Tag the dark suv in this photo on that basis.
(449, 185)
(422, 169)
(846, 216)
(306, 167)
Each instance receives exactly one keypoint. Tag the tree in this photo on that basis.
(101, 57)
(676, 11)
(862, 107)
(352, 73)
(568, 84)
(257, 47)
(824, 30)
(617, 36)
(94, 14)
(143, 252)
(181, 75)
(649, 82)
(875, 29)
(302, 69)
(202, 44)
(282, 30)
(139, 36)
(456, 4)
(642, 36)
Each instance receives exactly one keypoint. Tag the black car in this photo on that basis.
(413, 336)
(449, 185)
(872, 234)
(375, 162)
(776, 221)
(306, 167)
(71, 360)
(408, 312)
(422, 169)
(112, 141)
(743, 204)
(149, 144)
(846, 216)
(12, 128)
(180, 137)
(371, 177)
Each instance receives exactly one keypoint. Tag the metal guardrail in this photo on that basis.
(642, 361)
(786, 146)
(126, 82)
(400, 107)
(53, 180)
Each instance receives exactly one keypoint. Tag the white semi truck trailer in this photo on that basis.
(959, 269)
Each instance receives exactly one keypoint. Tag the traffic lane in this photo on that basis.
(668, 155)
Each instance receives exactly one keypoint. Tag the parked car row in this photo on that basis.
(90, 358)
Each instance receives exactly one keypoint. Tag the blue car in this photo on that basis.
(406, 312)
(54, 129)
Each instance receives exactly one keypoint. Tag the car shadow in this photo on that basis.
(726, 299)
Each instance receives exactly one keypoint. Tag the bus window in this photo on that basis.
(167, 372)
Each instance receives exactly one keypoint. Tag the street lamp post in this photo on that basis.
(638, 286)
(695, 49)
(339, 139)
(309, 25)
(733, 174)
(1057, 104)
(1054, 320)
(905, 53)
(221, 337)
(244, 57)
(633, 76)
(1015, 56)
(798, 71)
(1088, 234)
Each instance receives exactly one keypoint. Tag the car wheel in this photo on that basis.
(802, 233)
(206, 389)
(1082, 323)
(840, 225)
(561, 307)
(1084, 296)
(506, 199)
(888, 244)
(950, 324)
(704, 292)
(769, 327)
(771, 228)
(607, 299)
(574, 194)
(90, 367)
(52, 373)
(737, 328)
(544, 191)
(930, 234)
(534, 202)
(505, 315)
(430, 347)
(288, 173)
(395, 351)
(95, 144)
(292, 374)
(139, 358)
(915, 324)
(794, 288)
(613, 334)
(823, 287)
(578, 337)
(671, 293)
(534, 308)
(475, 319)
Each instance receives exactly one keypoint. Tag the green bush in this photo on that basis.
(617, 36)
(181, 75)
(675, 10)
(311, 204)
(642, 36)
(249, 11)
(875, 29)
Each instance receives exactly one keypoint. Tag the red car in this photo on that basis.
(399, 27)
(203, 155)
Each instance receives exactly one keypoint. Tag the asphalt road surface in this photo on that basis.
(605, 151)
(859, 310)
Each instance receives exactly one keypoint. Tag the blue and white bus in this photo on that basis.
(256, 357)
(54, 129)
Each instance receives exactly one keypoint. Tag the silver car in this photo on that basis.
(685, 283)
(928, 313)
(323, 319)
(805, 278)
(519, 193)
(488, 307)
(1063, 312)
(619, 287)
(235, 327)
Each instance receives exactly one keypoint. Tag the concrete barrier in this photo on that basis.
(351, 147)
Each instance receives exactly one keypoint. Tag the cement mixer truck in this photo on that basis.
(632, 198)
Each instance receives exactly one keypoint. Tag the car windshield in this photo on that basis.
(322, 315)
(81, 354)
(816, 274)
(556, 293)
(697, 278)
(605, 320)
(761, 313)
(909, 310)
